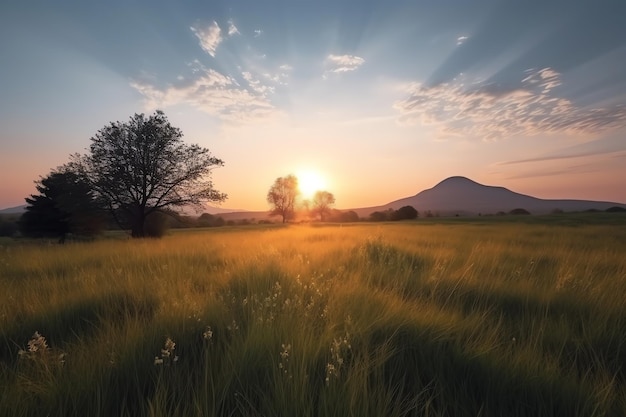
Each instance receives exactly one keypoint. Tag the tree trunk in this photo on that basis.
(137, 224)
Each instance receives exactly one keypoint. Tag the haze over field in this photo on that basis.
(380, 99)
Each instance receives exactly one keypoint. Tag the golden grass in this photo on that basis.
(400, 319)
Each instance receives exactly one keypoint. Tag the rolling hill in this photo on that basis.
(460, 195)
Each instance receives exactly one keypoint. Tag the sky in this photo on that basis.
(380, 99)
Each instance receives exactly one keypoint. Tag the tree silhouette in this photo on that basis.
(282, 196)
(405, 213)
(322, 202)
(142, 166)
(65, 204)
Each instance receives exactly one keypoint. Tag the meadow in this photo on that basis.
(482, 318)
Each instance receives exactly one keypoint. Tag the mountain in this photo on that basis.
(460, 195)
(14, 210)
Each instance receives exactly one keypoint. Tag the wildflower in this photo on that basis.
(331, 371)
(233, 327)
(37, 343)
(285, 353)
(284, 358)
(339, 348)
(208, 334)
(167, 353)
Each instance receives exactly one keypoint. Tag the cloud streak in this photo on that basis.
(480, 110)
(342, 63)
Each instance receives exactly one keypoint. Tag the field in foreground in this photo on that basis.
(367, 320)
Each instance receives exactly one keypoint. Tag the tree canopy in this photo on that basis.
(282, 196)
(405, 213)
(142, 166)
(322, 202)
(65, 204)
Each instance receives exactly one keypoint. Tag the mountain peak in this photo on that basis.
(456, 180)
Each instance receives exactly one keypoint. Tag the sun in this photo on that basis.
(309, 182)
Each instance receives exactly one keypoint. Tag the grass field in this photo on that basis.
(481, 318)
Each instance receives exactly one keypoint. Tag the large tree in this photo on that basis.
(282, 196)
(142, 166)
(322, 202)
(65, 204)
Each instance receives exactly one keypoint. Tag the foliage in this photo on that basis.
(282, 197)
(65, 204)
(210, 220)
(156, 224)
(8, 225)
(381, 216)
(405, 213)
(519, 211)
(495, 316)
(322, 202)
(343, 216)
(142, 166)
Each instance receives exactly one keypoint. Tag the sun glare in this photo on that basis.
(309, 182)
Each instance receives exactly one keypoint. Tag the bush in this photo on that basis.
(616, 209)
(519, 211)
(8, 227)
(157, 223)
(405, 213)
(378, 216)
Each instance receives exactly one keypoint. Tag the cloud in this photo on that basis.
(343, 63)
(232, 29)
(280, 77)
(214, 93)
(610, 146)
(490, 112)
(535, 173)
(257, 33)
(460, 40)
(256, 84)
(210, 37)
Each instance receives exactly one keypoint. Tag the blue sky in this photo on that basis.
(383, 99)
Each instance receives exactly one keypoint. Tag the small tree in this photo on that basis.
(349, 216)
(282, 196)
(322, 202)
(379, 216)
(405, 213)
(65, 204)
(142, 166)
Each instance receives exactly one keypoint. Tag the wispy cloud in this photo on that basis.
(611, 146)
(480, 110)
(257, 33)
(461, 39)
(216, 94)
(232, 29)
(281, 76)
(256, 85)
(209, 36)
(537, 173)
(342, 63)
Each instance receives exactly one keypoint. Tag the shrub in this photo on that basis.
(519, 211)
(157, 223)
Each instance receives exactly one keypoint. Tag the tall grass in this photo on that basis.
(367, 320)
